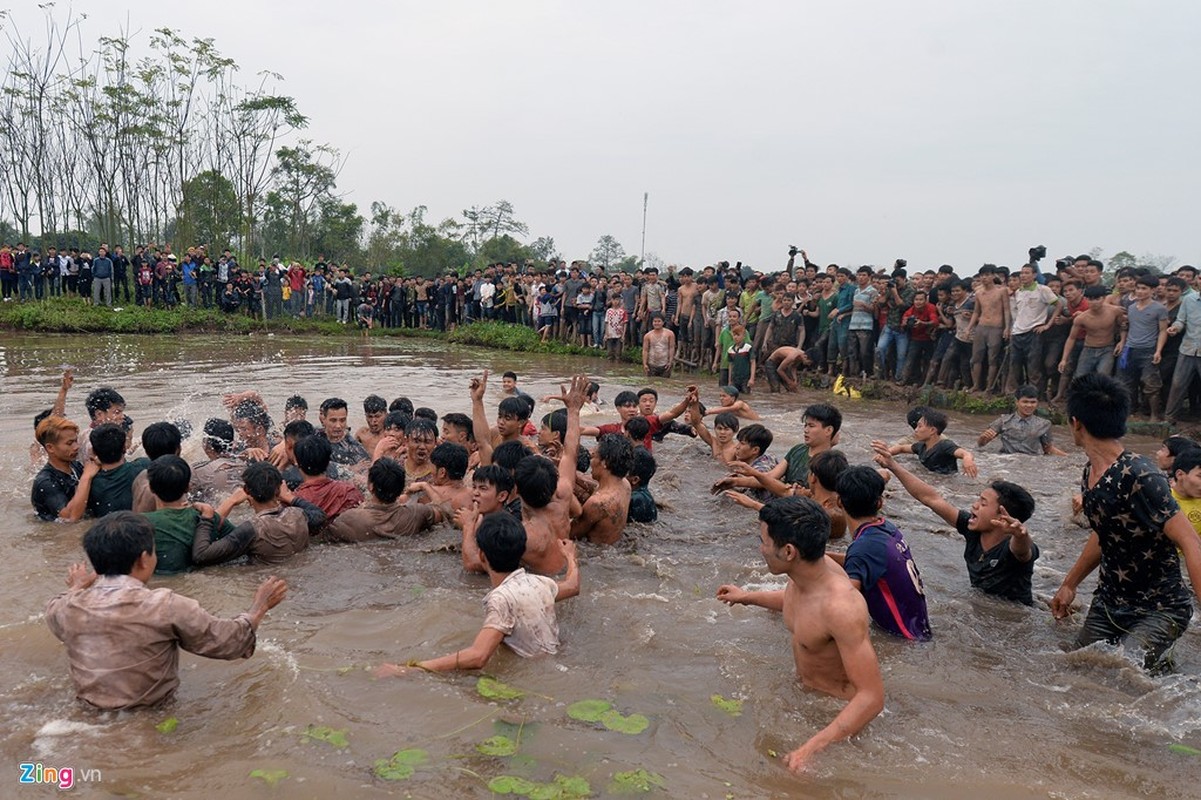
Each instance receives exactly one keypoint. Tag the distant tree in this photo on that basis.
(608, 251)
(1159, 264)
(653, 260)
(1121, 260)
(503, 248)
(544, 248)
(209, 212)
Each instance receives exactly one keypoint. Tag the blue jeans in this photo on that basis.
(1095, 359)
(25, 286)
(890, 336)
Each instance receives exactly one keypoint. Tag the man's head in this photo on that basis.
(508, 382)
(824, 469)
(753, 441)
(637, 429)
(536, 478)
(491, 488)
(1001, 497)
(250, 421)
(792, 529)
(648, 398)
(511, 415)
(614, 455)
(218, 435)
(1144, 287)
(59, 436)
(727, 396)
(313, 455)
(626, 404)
(169, 477)
(1097, 406)
(725, 425)
(860, 492)
(501, 539)
(642, 467)
(105, 405)
(822, 422)
(450, 461)
(120, 544)
(261, 480)
(108, 443)
(375, 408)
(930, 426)
(422, 438)
(554, 428)
(333, 416)
(386, 480)
(457, 428)
(160, 439)
(1186, 469)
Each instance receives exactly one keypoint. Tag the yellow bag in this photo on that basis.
(850, 391)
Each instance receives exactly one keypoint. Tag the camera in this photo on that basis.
(793, 250)
(1037, 253)
(901, 264)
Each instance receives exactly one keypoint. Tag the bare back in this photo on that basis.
(543, 528)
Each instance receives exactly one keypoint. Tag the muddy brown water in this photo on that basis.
(993, 707)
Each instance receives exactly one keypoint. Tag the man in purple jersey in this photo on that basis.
(878, 561)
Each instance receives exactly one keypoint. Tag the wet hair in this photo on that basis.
(261, 479)
(184, 426)
(637, 428)
(583, 458)
(51, 428)
(108, 442)
(161, 439)
(859, 490)
(1017, 501)
(498, 476)
(726, 419)
(732, 391)
(1025, 392)
(41, 415)
(625, 398)
(514, 407)
(509, 374)
(115, 542)
(402, 404)
(169, 477)
(593, 388)
(1176, 445)
(501, 538)
(425, 412)
(253, 413)
(374, 404)
(102, 399)
(421, 427)
(914, 415)
(333, 404)
(313, 454)
(461, 422)
(299, 429)
(1096, 292)
(451, 457)
(218, 434)
(557, 422)
(296, 401)
(756, 436)
(509, 454)
(800, 522)
(536, 478)
(529, 401)
(648, 390)
(826, 414)
(1099, 403)
(617, 452)
(387, 479)
(642, 465)
(935, 419)
(397, 420)
(826, 467)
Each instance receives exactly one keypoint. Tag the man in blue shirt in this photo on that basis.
(102, 277)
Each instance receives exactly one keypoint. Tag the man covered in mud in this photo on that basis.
(825, 614)
(346, 449)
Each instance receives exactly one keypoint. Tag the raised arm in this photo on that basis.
(574, 399)
(479, 420)
(59, 408)
(918, 489)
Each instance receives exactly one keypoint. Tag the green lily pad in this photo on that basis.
(731, 707)
(493, 689)
(1184, 750)
(633, 724)
(401, 765)
(511, 784)
(636, 781)
(270, 776)
(168, 725)
(588, 710)
(497, 746)
(324, 733)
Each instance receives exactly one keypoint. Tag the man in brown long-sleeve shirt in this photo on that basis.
(122, 637)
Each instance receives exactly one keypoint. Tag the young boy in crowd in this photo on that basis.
(313, 455)
(421, 437)
(492, 490)
(728, 400)
(998, 550)
(62, 487)
(520, 609)
(375, 409)
(605, 512)
(750, 449)
(104, 405)
(280, 528)
(648, 404)
(123, 639)
(382, 516)
(721, 441)
(445, 488)
(616, 320)
(741, 360)
(1186, 485)
(1022, 431)
(176, 520)
(935, 452)
(112, 486)
(824, 614)
(457, 429)
(642, 502)
(878, 560)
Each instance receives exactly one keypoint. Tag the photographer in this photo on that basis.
(896, 298)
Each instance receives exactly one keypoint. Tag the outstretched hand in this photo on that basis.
(269, 594)
(80, 576)
(577, 393)
(732, 595)
(478, 387)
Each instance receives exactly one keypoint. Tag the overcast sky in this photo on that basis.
(958, 132)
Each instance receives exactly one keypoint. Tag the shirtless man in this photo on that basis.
(826, 616)
(547, 491)
(375, 409)
(658, 348)
(990, 323)
(1098, 326)
(783, 361)
(605, 512)
(511, 415)
(445, 487)
(688, 320)
(721, 441)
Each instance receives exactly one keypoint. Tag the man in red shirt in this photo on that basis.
(920, 321)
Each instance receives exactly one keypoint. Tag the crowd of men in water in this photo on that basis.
(522, 494)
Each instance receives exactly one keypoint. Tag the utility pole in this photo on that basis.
(642, 250)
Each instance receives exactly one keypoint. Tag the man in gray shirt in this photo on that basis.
(1141, 346)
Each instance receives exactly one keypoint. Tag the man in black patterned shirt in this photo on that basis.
(1141, 600)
